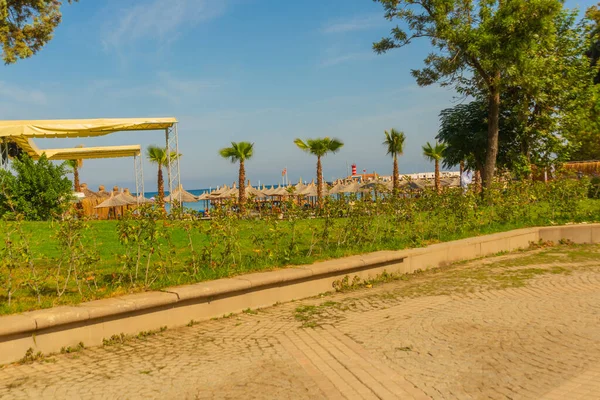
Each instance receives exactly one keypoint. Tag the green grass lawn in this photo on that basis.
(257, 246)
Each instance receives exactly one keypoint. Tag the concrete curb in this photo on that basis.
(51, 329)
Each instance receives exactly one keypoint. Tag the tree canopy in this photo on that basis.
(27, 25)
(480, 46)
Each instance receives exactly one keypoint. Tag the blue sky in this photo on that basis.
(264, 71)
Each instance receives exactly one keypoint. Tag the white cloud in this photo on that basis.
(15, 93)
(353, 24)
(160, 20)
(176, 89)
(340, 59)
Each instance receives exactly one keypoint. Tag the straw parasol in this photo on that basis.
(102, 192)
(229, 193)
(281, 191)
(352, 187)
(253, 192)
(299, 186)
(205, 196)
(114, 201)
(374, 185)
(336, 188)
(87, 192)
(220, 190)
(181, 193)
(310, 190)
(272, 191)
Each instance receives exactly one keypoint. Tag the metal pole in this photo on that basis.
(4, 155)
(177, 159)
(168, 150)
(137, 181)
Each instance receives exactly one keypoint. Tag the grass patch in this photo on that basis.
(260, 245)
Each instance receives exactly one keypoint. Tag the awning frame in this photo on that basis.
(22, 133)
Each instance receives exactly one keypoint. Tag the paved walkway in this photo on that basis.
(541, 340)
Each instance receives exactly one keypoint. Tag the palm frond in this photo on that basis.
(434, 152)
(394, 140)
(240, 151)
(319, 146)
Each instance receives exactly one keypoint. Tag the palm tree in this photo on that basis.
(394, 140)
(239, 152)
(319, 147)
(75, 165)
(158, 155)
(435, 154)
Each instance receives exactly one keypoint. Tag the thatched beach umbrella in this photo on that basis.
(336, 188)
(114, 201)
(299, 186)
(253, 192)
(229, 193)
(352, 187)
(374, 185)
(311, 190)
(102, 192)
(181, 193)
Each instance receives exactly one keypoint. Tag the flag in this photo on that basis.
(284, 172)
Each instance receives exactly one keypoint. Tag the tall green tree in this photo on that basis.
(435, 153)
(394, 141)
(26, 26)
(586, 136)
(39, 190)
(239, 153)
(158, 155)
(319, 147)
(593, 16)
(480, 47)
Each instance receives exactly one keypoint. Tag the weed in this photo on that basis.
(67, 350)
(114, 340)
(250, 311)
(30, 356)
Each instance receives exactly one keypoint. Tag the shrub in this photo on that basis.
(38, 191)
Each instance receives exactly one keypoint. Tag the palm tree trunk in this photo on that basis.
(437, 176)
(319, 181)
(160, 188)
(395, 179)
(242, 185)
(76, 184)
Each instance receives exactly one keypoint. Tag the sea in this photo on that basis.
(199, 205)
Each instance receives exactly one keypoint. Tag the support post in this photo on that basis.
(4, 163)
(139, 177)
(173, 175)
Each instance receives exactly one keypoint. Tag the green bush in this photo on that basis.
(594, 192)
(38, 191)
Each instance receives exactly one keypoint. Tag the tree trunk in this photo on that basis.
(395, 179)
(437, 176)
(493, 127)
(242, 184)
(76, 184)
(462, 167)
(319, 181)
(160, 188)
